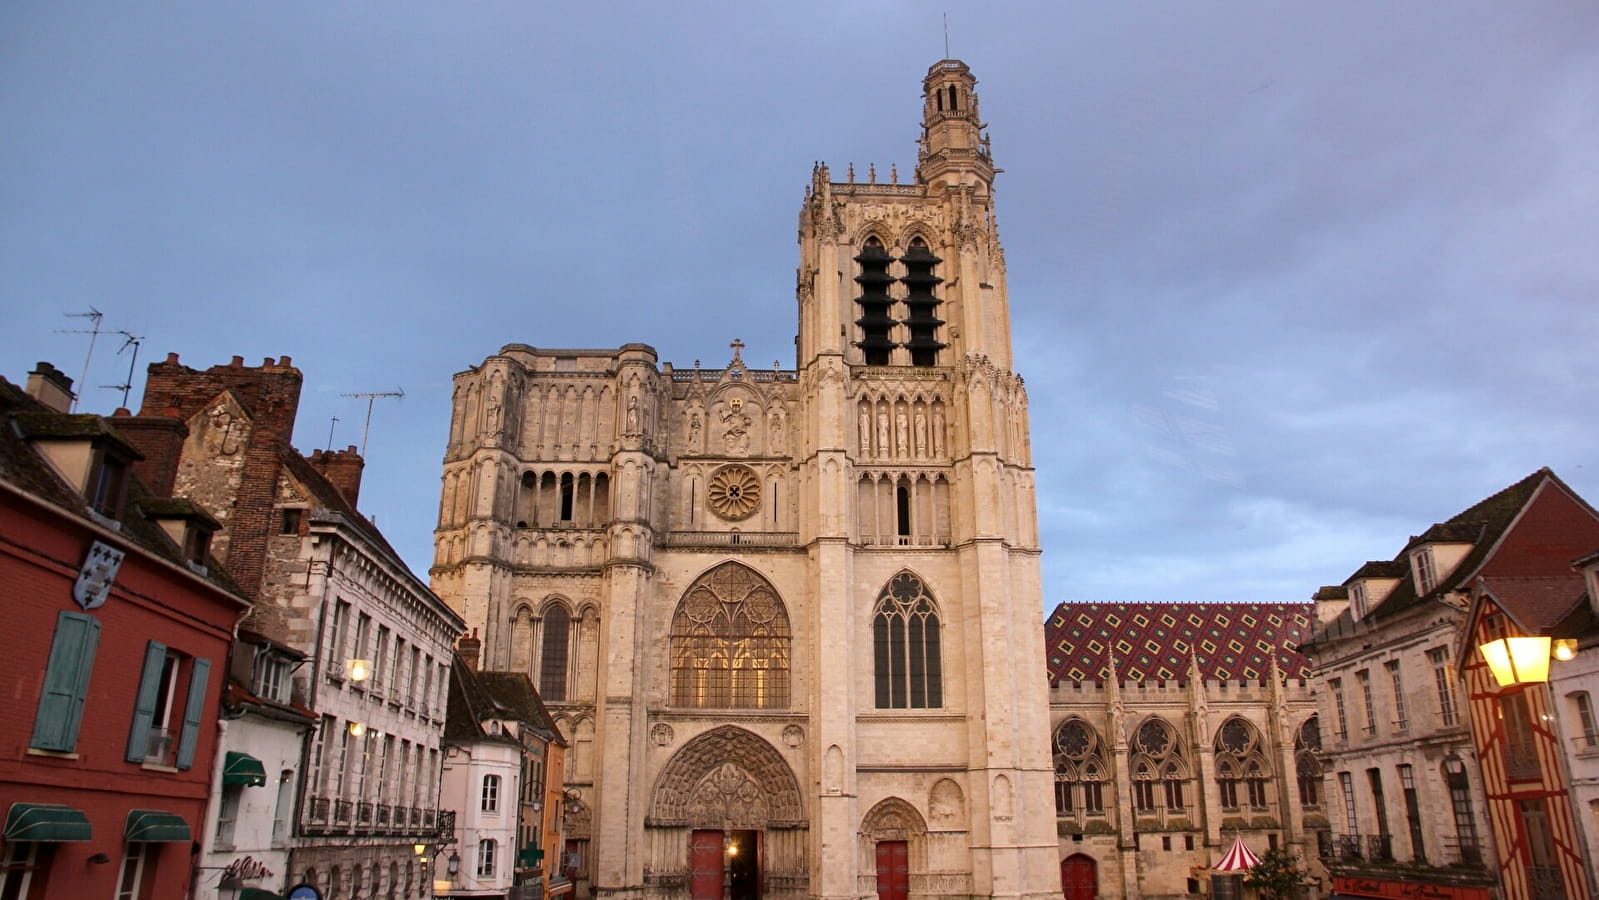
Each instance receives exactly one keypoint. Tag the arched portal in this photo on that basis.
(1079, 877)
(727, 803)
(893, 847)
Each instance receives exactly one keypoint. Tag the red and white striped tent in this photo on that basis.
(1239, 858)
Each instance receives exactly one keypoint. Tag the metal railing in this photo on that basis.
(1355, 847)
(162, 748)
(1463, 851)
(1545, 883)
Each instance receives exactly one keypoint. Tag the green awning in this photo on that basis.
(242, 768)
(156, 826)
(250, 893)
(46, 822)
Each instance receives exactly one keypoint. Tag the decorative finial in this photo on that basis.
(851, 173)
(871, 173)
(893, 173)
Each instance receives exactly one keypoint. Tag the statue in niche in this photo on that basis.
(694, 426)
(775, 437)
(938, 431)
(865, 429)
(882, 433)
(737, 437)
(902, 433)
(921, 433)
(632, 415)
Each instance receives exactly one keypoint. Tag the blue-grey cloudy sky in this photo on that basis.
(1290, 281)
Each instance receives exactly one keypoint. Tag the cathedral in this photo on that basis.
(790, 621)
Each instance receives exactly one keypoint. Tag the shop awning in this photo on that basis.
(46, 822)
(251, 893)
(243, 769)
(156, 826)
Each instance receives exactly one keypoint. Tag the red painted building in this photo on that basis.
(117, 630)
(1528, 586)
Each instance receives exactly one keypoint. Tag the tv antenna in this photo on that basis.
(371, 398)
(130, 340)
(330, 431)
(94, 335)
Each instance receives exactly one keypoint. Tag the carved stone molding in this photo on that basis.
(727, 778)
(734, 492)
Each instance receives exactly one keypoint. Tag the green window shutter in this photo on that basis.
(193, 712)
(155, 659)
(66, 682)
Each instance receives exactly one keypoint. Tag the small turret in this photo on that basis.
(952, 140)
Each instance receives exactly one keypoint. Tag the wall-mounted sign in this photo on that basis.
(304, 892)
(99, 572)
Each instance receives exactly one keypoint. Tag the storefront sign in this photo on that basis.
(1406, 890)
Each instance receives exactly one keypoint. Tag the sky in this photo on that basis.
(1289, 282)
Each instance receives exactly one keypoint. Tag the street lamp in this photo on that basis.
(359, 669)
(1518, 660)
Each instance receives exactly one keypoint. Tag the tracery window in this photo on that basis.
(1160, 768)
(1079, 770)
(1307, 762)
(730, 643)
(1241, 763)
(906, 659)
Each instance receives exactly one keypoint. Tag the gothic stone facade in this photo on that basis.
(790, 620)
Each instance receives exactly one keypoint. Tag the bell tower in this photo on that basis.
(918, 472)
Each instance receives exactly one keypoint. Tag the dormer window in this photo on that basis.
(1426, 572)
(108, 484)
(1357, 600)
(196, 544)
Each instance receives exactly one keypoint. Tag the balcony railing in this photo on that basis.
(363, 813)
(732, 539)
(1464, 851)
(1586, 743)
(1355, 847)
(1545, 883)
(162, 748)
(383, 814)
(341, 811)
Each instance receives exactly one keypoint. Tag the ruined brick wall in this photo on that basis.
(240, 419)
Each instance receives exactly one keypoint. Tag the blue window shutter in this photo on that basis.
(193, 712)
(66, 682)
(155, 659)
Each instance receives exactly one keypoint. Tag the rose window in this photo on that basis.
(734, 492)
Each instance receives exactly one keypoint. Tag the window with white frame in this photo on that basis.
(1443, 679)
(1426, 573)
(272, 677)
(131, 874)
(1347, 782)
(1363, 678)
(168, 710)
(1336, 685)
(1583, 705)
(17, 865)
(1401, 718)
(486, 851)
(491, 793)
(1357, 600)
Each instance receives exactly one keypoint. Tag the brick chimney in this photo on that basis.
(342, 468)
(469, 647)
(160, 439)
(49, 386)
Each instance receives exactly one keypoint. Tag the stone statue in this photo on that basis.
(902, 433)
(921, 433)
(865, 429)
(882, 433)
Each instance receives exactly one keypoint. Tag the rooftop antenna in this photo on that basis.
(330, 432)
(94, 334)
(132, 340)
(370, 399)
(946, 34)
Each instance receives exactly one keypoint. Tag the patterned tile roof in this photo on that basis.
(1154, 641)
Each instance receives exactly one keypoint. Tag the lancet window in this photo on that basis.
(1079, 770)
(1241, 767)
(730, 643)
(876, 321)
(1160, 769)
(1307, 762)
(921, 305)
(907, 662)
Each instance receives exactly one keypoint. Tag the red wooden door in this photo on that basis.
(705, 865)
(1078, 879)
(893, 870)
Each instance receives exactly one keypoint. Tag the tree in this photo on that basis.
(1278, 876)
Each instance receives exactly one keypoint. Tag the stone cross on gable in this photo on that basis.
(737, 345)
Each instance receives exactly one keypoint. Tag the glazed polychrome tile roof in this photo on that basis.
(1154, 641)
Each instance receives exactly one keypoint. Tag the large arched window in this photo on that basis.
(906, 660)
(730, 643)
(1160, 769)
(1307, 762)
(553, 654)
(1241, 763)
(1079, 770)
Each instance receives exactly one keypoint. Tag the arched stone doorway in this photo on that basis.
(726, 804)
(893, 847)
(1079, 877)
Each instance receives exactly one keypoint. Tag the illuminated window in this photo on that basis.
(730, 643)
